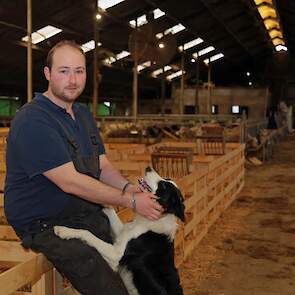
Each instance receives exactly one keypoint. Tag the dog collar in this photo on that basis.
(143, 185)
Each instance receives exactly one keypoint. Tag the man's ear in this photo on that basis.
(47, 73)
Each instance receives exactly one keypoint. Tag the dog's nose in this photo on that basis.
(148, 169)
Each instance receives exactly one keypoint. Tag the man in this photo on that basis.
(58, 173)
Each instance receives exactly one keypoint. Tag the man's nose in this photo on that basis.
(72, 78)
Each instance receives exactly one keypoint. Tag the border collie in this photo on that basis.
(143, 251)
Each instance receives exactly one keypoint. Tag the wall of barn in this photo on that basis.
(158, 106)
(290, 99)
(225, 97)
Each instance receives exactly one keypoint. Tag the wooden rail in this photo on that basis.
(210, 187)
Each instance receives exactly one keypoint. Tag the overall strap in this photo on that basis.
(91, 131)
(65, 132)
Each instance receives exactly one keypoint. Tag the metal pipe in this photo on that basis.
(163, 92)
(29, 52)
(197, 107)
(181, 99)
(135, 78)
(209, 89)
(95, 67)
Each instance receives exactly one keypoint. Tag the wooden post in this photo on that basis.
(29, 51)
(266, 101)
(197, 106)
(135, 79)
(162, 91)
(181, 99)
(95, 68)
(209, 90)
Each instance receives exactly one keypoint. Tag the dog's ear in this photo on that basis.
(179, 206)
(170, 198)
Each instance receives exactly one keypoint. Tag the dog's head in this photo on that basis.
(170, 197)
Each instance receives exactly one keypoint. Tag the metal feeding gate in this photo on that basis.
(212, 141)
(172, 162)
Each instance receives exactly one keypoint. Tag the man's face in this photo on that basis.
(67, 76)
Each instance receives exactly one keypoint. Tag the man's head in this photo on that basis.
(66, 71)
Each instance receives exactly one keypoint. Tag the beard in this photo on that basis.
(67, 94)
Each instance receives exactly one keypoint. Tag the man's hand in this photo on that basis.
(147, 205)
(133, 189)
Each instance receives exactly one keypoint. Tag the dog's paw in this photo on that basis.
(63, 232)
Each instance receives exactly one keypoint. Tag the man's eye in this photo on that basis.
(79, 71)
(63, 71)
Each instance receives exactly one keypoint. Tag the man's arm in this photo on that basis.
(67, 178)
(111, 176)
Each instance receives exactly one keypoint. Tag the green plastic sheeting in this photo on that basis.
(8, 107)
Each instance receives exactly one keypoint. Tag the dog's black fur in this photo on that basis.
(150, 257)
(170, 198)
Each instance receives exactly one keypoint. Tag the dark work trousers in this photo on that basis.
(82, 265)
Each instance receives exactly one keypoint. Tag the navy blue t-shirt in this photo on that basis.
(36, 144)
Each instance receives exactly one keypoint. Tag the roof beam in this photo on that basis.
(216, 16)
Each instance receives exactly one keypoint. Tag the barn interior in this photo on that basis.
(198, 89)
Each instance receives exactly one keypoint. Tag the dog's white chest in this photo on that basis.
(166, 225)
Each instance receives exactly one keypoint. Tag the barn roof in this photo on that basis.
(231, 31)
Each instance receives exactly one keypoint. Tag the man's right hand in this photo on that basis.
(147, 205)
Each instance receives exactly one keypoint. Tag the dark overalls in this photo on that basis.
(83, 266)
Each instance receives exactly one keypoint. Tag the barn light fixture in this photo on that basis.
(258, 2)
(112, 59)
(281, 47)
(190, 44)
(271, 23)
(142, 20)
(122, 54)
(160, 71)
(108, 61)
(213, 58)
(174, 75)
(277, 41)
(203, 52)
(270, 17)
(42, 34)
(98, 16)
(144, 65)
(173, 30)
(105, 4)
(275, 33)
(267, 11)
(89, 45)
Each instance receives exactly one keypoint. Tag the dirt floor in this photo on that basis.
(251, 248)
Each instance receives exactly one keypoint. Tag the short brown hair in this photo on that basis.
(60, 44)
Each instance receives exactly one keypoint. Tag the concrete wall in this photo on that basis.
(255, 98)
(224, 97)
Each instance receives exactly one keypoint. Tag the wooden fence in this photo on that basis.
(212, 184)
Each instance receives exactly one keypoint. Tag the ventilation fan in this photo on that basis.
(102, 55)
(144, 46)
